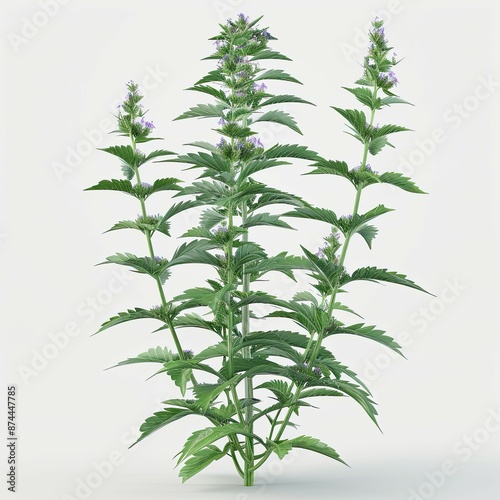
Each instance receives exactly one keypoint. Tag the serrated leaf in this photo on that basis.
(213, 76)
(200, 460)
(380, 275)
(366, 331)
(313, 444)
(265, 219)
(204, 111)
(129, 315)
(320, 391)
(313, 213)
(207, 89)
(126, 153)
(202, 438)
(291, 151)
(269, 54)
(121, 185)
(357, 121)
(206, 393)
(284, 98)
(153, 355)
(161, 419)
(279, 388)
(368, 232)
(399, 180)
(277, 116)
(393, 99)
(276, 74)
(365, 96)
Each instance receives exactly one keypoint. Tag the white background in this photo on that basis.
(63, 75)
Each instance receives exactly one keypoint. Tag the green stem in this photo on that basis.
(342, 257)
(147, 232)
(245, 330)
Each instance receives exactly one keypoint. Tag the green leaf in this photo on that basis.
(125, 153)
(376, 145)
(320, 391)
(276, 74)
(285, 98)
(153, 355)
(269, 54)
(357, 120)
(155, 154)
(375, 274)
(393, 99)
(204, 111)
(257, 165)
(161, 419)
(291, 151)
(365, 96)
(193, 320)
(368, 232)
(279, 388)
(313, 444)
(202, 438)
(129, 315)
(368, 332)
(177, 208)
(277, 116)
(313, 213)
(399, 180)
(339, 168)
(206, 89)
(206, 393)
(202, 459)
(124, 186)
(214, 351)
(142, 265)
(213, 76)
(281, 448)
(266, 219)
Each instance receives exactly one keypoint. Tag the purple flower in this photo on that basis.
(317, 371)
(221, 121)
(320, 253)
(240, 93)
(219, 230)
(146, 184)
(389, 77)
(255, 141)
(243, 17)
(266, 34)
(260, 88)
(158, 259)
(221, 143)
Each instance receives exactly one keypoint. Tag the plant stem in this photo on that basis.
(245, 330)
(319, 341)
(147, 232)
